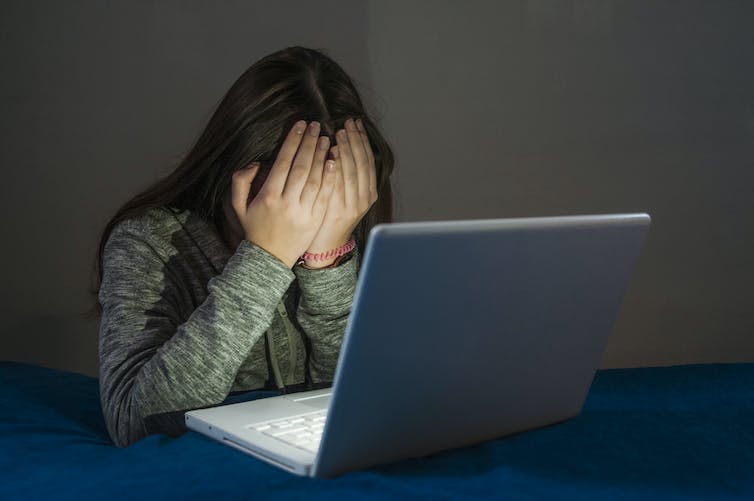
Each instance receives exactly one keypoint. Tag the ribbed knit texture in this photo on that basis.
(184, 321)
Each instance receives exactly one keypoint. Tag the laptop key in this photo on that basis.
(303, 431)
(277, 433)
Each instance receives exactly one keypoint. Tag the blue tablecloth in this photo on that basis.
(680, 432)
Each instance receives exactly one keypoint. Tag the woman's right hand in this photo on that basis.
(285, 216)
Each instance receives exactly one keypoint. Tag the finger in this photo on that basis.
(309, 193)
(302, 164)
(279, 171)
(360, 162)
(365, 139)
(357, 146)
(350, 174)
(242, 180)
(370, 155)
(326, 189)
(339, 191)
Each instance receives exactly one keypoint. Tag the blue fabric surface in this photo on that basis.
(680, 432)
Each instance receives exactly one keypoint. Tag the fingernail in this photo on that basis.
(360, 125)
(300, 126)
(314, 129)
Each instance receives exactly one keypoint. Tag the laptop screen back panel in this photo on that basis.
(504, 339)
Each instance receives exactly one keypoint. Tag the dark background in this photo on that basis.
(494, 109)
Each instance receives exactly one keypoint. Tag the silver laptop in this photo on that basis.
(460, 332)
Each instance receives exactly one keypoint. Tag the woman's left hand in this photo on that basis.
(354, 194)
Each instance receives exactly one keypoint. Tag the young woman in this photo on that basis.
(237, 270)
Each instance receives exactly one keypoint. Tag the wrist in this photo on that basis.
(330, 255)
(315, 265)
(288, 261)
(315, 261)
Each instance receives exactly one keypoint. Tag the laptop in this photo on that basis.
(460, 332)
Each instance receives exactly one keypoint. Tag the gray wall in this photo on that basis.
(494, 109)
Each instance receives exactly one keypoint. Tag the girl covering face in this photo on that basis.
(200, 288)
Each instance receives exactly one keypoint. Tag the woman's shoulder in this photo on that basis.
(155, 225)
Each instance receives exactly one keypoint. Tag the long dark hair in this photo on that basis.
(250, 124)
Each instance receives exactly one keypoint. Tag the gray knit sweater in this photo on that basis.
(185, 322)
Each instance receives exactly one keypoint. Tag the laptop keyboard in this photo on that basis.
(303, 430)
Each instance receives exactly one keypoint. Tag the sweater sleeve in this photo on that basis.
(155, 365)
(324, 306)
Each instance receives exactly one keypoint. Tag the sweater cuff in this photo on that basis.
(329, 289)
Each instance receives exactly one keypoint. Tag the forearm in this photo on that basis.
(323, 310)
(152, 362)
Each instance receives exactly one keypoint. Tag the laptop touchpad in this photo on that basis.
(316, 401)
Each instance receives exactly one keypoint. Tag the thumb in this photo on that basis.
(253, 168)
(241, 185)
